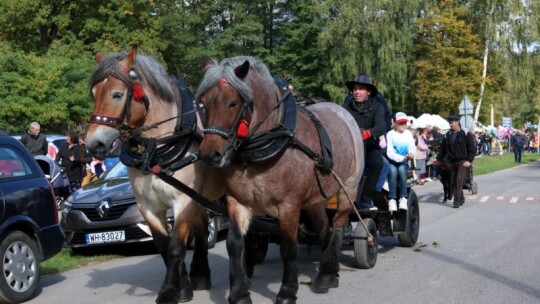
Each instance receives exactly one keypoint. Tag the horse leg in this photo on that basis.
(200, 270)
(239, 218)
(289, 252)
(176, 286)
(328, 276)
(250, 244)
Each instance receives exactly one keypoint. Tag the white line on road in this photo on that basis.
(484, 198)
(514, 200)
(530, 198)
(500, 197)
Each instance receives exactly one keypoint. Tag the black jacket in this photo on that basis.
(369, 117)
(74, 169)
(37, 145)
(458, 146)
(518, 140)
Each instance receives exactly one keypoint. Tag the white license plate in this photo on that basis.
(105, 237)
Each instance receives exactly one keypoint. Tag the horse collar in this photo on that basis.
(172, 147)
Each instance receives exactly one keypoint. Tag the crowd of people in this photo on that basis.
(73, 157)
(393, 146)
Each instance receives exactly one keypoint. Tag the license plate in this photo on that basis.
(105, 237)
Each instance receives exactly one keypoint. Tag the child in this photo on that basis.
(400, 148)
(97, 167)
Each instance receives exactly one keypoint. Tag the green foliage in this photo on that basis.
(423, 55)
(369, 37)
(448, 61)
(49, 89)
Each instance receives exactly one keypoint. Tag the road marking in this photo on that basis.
(500, 197)
(514, 200)
(530, 198)
(484, 198)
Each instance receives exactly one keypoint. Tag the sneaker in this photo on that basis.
(392, 205)
(429, 179)
(403, 203)
(368, 206)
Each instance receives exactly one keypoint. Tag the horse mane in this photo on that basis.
(225, 69)
(149, 71)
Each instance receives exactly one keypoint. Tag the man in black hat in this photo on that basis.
(459, 149)
(369, 116)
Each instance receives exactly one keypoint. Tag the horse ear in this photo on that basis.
(131, 57)
(207, 62)
(99, 56)
(241, 71)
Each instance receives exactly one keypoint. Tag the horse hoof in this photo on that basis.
(327, 281)
(185, 295)
(201, 283)
(244, 300)
(280, 300)
(167, 296)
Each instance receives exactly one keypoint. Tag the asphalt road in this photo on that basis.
(488, 251)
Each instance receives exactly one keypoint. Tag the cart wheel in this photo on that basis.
(365, 251)
(412, 225)
(474, 188)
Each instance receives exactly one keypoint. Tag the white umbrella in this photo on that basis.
(440, 122)
(423, 121)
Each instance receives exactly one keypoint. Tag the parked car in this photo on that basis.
(105, 212)
(29, 228)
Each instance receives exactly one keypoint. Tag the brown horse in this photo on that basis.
(277, 161)
(138, 108)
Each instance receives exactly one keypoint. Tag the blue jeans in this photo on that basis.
(384, 175)
(397, 172)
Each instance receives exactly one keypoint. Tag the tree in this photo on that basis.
(447, 64)
(369, 37)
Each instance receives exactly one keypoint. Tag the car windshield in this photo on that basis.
(118, 171)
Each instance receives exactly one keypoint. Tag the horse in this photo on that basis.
(278, 159)
(148, 118)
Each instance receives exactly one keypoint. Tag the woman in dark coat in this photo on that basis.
(69, 158)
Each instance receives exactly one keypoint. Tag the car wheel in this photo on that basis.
(20, 267)
(212, 232)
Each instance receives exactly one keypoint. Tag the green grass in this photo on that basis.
(67, 259)
(489, 164)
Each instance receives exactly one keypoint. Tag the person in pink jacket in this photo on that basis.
(422, 150)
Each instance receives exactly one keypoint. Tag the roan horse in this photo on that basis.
(138, 108)
(277, 160)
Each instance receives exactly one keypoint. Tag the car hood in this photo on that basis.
(116, 189)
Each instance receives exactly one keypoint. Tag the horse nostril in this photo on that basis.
(211, 158)
(216, 156)
(98, 150)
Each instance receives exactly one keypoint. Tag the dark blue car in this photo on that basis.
(29, 230)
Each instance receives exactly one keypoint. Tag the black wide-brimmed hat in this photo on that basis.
(453, 118)
(365, 80)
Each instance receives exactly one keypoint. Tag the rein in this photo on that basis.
(143, 153)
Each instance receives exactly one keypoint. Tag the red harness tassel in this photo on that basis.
(243, 129)
(138, 91)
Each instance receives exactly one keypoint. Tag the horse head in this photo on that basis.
(121, 86)
(226, 99)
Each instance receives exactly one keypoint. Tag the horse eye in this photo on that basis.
(117, 95)
(231, 105)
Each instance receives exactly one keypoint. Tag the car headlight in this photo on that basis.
(68, 205)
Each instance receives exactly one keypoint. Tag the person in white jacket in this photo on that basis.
(400, 148)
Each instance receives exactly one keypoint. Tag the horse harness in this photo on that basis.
(144, 153)
(262, 146)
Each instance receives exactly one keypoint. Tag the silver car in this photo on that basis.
(105, 212)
